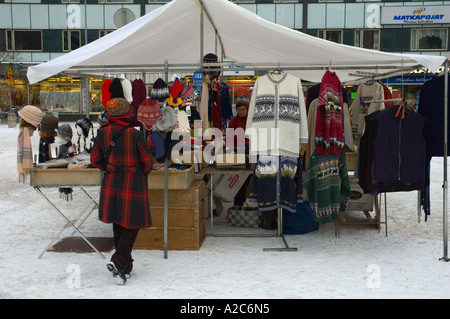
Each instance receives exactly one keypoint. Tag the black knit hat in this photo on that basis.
(160, 90)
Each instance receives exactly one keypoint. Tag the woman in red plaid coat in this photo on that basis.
(124, 190)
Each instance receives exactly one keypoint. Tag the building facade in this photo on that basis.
(34, 31)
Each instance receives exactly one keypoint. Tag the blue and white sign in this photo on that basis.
(198, 77)
(407, 79)
(415, 14)
(237, 70)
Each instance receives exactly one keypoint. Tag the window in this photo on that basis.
(115, 1)
(368, 39)
(71, 40)
(102, 33)
(18, 40)
(331, 35)
(428, 39)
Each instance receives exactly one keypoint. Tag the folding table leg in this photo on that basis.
(68, 224)
(87, 216)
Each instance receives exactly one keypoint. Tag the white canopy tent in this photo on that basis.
(182, 31)
(177, 35)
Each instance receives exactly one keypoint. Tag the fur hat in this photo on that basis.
(118, 107)
(148, 113)
(168, 122)
(31, 114)
(65, 132)
(49, 125)
(175, 99)
(106, 94)
(160, 90)
(242, 101)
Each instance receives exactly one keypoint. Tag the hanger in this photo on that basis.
(278, 70)
(402, 108)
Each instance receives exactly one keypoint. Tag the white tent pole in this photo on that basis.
(201, 33)
(166, 181)
(445, 186)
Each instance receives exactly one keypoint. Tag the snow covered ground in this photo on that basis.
(361, 263)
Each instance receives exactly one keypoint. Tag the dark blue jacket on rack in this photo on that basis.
(431, 105)
(399, 148)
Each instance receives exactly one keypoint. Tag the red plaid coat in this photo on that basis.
(124, 191)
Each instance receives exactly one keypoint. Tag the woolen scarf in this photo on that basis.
(24, 153)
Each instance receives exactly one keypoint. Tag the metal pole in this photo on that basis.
(166, 181)
(201, 33)
(85, 42)
(445, 186)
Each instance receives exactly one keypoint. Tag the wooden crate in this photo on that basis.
(231, 160)
(186, 229)
(177, 238)
(186, 219)
(177, 179)
(179, 198)
(66, 177)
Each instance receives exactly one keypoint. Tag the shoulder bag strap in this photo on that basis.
(113, 143)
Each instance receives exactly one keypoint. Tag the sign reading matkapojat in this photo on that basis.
(415, 15)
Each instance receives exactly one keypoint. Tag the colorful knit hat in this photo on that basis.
(65, 132)
(102, 118)
(127, 89)
(175, 99)
(168, 122)
(158, 149)
(148, 113)
(85, 125)
(160, 90)
(242, 101)
(118, 107)
(106, 94)
(31, 114)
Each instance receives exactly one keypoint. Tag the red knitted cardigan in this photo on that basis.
(329, 130)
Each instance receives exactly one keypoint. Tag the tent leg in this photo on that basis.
(445, 186)
(166, 182)
(280, 234)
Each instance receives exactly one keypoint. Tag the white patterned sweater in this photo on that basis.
(277, 122)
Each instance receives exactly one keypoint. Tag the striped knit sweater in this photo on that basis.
(277, 120)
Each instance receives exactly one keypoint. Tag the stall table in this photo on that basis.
(62, 177)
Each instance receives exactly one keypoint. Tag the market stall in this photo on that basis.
(158, 42)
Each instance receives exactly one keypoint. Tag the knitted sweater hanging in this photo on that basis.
(329, 134)
(277, 120)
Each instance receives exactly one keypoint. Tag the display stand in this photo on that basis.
(211, 170)
(56, 178)
(391, 70)
(370, 220)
